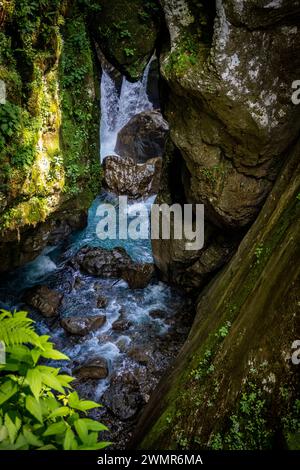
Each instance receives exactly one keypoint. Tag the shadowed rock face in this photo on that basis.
(238, 118)
(232, 120)
(45, 300)
(114, 263)
(124, 176)
(233, 369)
(144, 137)
(126, 31)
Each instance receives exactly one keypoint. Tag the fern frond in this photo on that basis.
(16, 329)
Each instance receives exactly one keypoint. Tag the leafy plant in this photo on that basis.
(38, 408)
(129, 52)
(9, 122)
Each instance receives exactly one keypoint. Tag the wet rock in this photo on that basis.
(79, 283)
(45, 300)
(102, 302)
(121, 325)
(139, 275)
(63, 279)
(143, 137)
(158, 313)
(96, 368)
(123, 397)
(114, 263)
(81, 326)
(125, 176)
(139, 355)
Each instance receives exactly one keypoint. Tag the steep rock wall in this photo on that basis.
(229, 72)
(234, 385)
(49, 137)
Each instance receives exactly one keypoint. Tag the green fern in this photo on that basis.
(17, 329)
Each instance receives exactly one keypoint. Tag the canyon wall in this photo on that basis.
(49, 137)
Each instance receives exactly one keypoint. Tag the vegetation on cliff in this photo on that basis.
(49, 144)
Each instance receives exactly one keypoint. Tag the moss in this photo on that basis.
(127, 32)
(29, 212)
(80, 113)
(50, 150)
(225, 386)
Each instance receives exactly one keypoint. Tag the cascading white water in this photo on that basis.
(117, 110)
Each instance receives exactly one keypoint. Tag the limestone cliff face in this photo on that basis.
(234, 385)
(230, 72)
(49, 149)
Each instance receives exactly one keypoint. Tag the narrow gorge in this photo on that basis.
(109, 108)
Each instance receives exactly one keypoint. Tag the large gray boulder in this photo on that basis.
(114, 263)
(143, 137)
(136, 180)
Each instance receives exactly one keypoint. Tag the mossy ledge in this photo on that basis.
(49, 147)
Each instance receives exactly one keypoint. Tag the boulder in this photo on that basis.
(139, 355)
(96, 368)
(102, 302)
(121, 325)
(143, 137)
(114, 263)
(157, 313)
(139, 275)
(125, 176)
(44, 299)
(81, 326)
(123, 397)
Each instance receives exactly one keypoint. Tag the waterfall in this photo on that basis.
(118, 109)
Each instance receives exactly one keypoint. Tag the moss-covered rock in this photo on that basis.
(49, 132)
(234, 385)
(126, 31)
(238, 118)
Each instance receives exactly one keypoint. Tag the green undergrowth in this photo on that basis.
(49, 125)
(39, 410)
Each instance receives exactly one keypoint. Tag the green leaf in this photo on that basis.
(31, 438)
(81, 429)
(35, 354)
(69, 441)
(62, 411)
(34, 407)
(52, 382)
(7, 390)
(94, 425)
(51, 353)
(34, 379)
(48, 447)
(3, 433)
(88, 405)
(11, 428)
(55, 428)
(65, 380)
(99, 445)
(82, 405)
